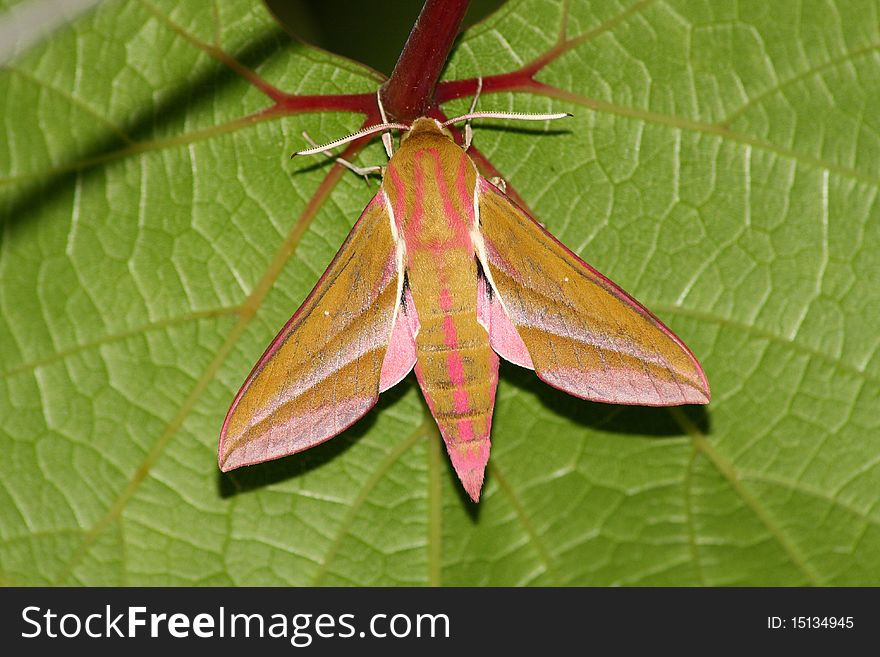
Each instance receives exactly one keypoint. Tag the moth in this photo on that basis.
(443, 274)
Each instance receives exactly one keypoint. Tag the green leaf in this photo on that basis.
(722, 166)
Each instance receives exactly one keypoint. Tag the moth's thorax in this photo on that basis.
(426, 126)
(430, 185)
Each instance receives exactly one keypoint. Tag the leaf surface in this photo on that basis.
(722, 166)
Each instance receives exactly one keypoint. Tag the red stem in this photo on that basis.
(293, 104)
(409, 93)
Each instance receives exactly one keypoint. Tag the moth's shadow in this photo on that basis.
(652, 421)
(520, 129)
(470, 507)
(636, 420)
(260, 475)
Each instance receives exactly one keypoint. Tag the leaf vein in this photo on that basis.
(809, 72)
(726, 470)
(525, 522)
(791, 343)
(384, 466)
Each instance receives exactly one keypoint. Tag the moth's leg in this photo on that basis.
(499, 182)
(468, 130)
(364, 172)
(386, 136)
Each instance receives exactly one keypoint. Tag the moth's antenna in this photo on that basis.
(373, 129)
(516, 116)
(361, 171)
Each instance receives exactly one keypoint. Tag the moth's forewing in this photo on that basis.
(323, 370)
(583, 334)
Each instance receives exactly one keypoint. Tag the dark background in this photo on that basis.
(372, 37)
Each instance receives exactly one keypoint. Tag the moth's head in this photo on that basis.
(426, 126)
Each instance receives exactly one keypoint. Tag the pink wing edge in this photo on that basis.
(505, 339)
(401, 355)
(401, 347)
(503, 336)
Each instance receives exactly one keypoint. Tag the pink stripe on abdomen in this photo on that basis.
(457, 377)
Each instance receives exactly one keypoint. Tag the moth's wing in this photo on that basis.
(579, 331)
(503, 335)
(401, 355)
(323, 370)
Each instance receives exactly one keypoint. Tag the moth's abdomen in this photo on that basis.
(457, 372)
(456, 367)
